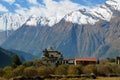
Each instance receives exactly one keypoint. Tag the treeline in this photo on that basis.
(37, 68)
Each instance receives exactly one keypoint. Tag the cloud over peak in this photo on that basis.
(48, 8)
(45, 8)
(3, 8)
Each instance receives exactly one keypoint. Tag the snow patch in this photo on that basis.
(32, 21)
(10, 21)
(91, 16)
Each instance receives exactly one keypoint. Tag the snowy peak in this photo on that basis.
(10, 21)
(82, 16)
(91, 16)
(32, 21)
(49, 21)
(113, 4)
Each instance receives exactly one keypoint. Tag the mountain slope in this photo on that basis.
(81, 33)
(111, 47)
(9, 22)
(5, 58)
(73, 40)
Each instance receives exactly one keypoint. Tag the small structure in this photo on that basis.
(71, 61)
(52, 56)
(118, 60)
(85, 61)
(65, 61)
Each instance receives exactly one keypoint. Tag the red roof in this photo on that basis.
(65, 59)
(85, 59)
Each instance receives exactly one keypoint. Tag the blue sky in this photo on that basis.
(20, 6)
(89, 2)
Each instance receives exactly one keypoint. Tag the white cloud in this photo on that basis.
(17, 5)
(10, 1)
(3, 8)
(49, 8)
(33, 2)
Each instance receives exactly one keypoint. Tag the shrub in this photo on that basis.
(28, 64)
(37, 63)
(2, 72)
(7, 70)
(90, 69)
(74, 70)
(103, 70)
(61, 70)
(45, 71)
(30, 72)
(18, 71)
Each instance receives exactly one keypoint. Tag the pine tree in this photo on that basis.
(16, 61)
(46, 53)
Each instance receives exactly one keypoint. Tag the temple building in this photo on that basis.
(52, 56)
(85, 61)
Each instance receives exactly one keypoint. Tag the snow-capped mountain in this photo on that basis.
(35, 20)
(10, 21)
(84, 15)
(81, 16)
(81, 33)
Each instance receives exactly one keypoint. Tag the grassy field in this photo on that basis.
(98, 78)
(108, 78)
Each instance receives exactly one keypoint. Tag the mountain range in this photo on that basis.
(10, 22)
(5, 57)
(82, 33)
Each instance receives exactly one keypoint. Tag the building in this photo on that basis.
(71, 61)
(85, 61)
(65, 61)
(52, 56)
(118, 60)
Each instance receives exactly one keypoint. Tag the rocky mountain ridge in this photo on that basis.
(81, 33)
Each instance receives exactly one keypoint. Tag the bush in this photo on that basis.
(30, 72)
(2, 72)
(91, 68)
(37, 63)
(18, 71)
(61, 70)
(103, 70)
(74, 70)
(28, 64)
(115, 68)
(108, 69)
(45, 71)
(7, 70)
(1, 78)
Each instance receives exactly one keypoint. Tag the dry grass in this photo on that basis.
(98, 78)
(108, 78)
(2, 78)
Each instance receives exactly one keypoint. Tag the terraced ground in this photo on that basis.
(99, 78)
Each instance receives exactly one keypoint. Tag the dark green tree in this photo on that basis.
(98, 61)
(45, 53)
(15, 61)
